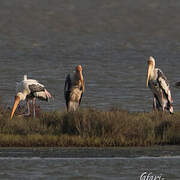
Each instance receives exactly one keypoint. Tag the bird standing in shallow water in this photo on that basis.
(74, 89)
(159, 86)
(30, 89)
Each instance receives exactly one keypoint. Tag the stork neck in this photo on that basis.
(153, 74)
(77, 75)
(81, 76)
(22, 95)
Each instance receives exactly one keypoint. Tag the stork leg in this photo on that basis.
(162, 101)
(34, 107)
(69, 106)
(28, 108)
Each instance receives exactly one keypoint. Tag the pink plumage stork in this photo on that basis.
(159, 85)
(30, 89)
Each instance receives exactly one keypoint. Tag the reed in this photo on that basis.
(90, 127)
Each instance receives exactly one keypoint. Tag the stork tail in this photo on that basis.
(25, 77)
(48, 94)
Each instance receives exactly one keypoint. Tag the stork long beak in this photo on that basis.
(82, 80)
(16, 102)
(148, 74)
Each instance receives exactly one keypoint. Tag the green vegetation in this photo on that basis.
(89, 127)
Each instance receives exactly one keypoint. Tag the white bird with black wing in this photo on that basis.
(159, 86)
(74, 89)
(30, 89)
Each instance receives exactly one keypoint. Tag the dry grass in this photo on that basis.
(90, 127)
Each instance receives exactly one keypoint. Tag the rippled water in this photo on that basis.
(89, 163)
(112, 40)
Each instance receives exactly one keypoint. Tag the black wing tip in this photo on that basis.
(67, 86)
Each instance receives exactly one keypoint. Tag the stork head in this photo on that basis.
(79, 68)
(151, 66)
(151, 61)
(20, 96)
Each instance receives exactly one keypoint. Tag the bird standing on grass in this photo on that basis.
(30, 89)
(159, 86)
(74, 89)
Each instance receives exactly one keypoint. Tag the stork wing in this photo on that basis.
(36, 88)
(80, 98)
(164, 84)
(67, 87)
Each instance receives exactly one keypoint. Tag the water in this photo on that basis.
(112, 40)
(89, 163)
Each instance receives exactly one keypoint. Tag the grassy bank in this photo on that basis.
(89, 127)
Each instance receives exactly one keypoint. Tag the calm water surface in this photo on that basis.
(90, 163)
(112, 40)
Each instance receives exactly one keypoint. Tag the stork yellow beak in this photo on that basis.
(82, 81)
(148, 74)
(16, 102)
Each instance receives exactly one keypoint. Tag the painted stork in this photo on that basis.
(30, 89)
(159, 86)
(74, 89)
